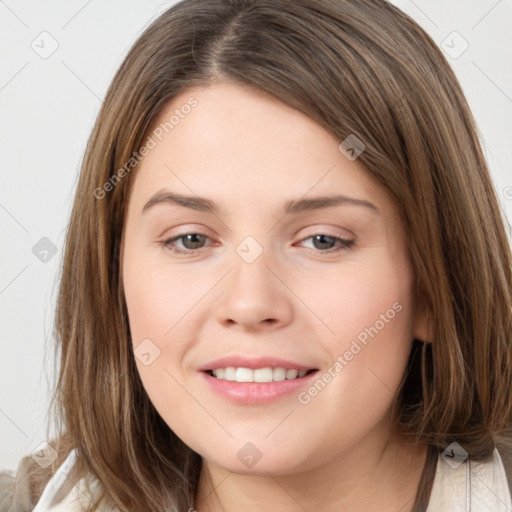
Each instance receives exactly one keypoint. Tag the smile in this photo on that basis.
(267, 374)
(245, 389)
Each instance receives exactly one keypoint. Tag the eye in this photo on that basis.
(324, 241)
(191, 241)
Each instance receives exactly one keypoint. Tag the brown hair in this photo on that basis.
(357, 67)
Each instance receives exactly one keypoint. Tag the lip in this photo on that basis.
(256, 393)
(253, 363)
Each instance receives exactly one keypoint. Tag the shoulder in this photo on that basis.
(62, 493)
(506, 457)
(468, 485)
(16, 491)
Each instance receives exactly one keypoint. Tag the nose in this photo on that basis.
(254, 296)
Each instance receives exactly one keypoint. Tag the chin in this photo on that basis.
(251, 460)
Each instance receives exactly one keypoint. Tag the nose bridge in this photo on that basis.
(250, 250)
(251, 274)
(252, 293)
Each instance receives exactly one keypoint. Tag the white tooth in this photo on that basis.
(279, 374)
(259, 375)
(291, 374)
(263, 375)
(243, 375)
(230, 373)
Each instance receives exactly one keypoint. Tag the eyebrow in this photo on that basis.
(293, 206)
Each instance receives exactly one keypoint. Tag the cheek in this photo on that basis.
(162, 303)
(366, 311)
(369, 310)
(159, 297)
(353, 298)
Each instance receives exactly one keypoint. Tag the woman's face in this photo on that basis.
(294, 260)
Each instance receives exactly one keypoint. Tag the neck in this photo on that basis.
(378, 476)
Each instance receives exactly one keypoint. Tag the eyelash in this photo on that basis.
(345, 244)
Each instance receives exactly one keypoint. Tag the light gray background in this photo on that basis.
(47, 109)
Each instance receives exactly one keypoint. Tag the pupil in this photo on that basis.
(322, 239)
(193, 238)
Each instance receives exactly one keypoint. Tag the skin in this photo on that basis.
(249, 152)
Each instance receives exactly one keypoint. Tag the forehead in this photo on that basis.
(241, 146)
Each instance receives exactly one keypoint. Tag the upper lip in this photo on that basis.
(253, 363)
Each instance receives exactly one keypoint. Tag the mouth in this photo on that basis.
(257, 386)
(259, 375)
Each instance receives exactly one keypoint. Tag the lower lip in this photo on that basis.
(256, 393)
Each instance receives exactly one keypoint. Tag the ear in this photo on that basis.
(422, 328)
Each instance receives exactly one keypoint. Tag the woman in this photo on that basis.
(215, 354)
